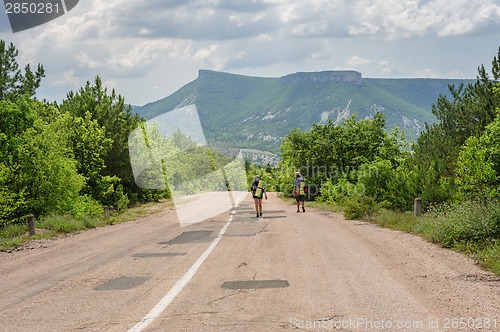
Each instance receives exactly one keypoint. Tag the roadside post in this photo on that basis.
(31, 225)
(417, 207)
(106, 211)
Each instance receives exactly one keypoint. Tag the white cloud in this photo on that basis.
(85, 60)
(397, 19)
(426, 73)
(357, 61)
(388, 69)
(130, 42)
(67, 78)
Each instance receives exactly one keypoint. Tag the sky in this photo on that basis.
(148, 49)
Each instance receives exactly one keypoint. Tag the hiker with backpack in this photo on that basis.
(299, 191)
(258, 189)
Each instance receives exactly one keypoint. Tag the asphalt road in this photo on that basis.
(311, 271)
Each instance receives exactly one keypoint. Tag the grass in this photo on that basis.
(15, 235)
(12, 236)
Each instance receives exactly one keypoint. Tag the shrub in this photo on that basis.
(340, 191)
(465, 223)
(86, 207)
(363, 207)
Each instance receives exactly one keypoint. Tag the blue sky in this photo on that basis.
(147, 49)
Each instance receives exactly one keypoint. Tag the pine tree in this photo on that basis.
(13, 83)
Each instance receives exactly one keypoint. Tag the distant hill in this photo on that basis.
(254, 113)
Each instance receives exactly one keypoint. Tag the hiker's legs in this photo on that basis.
(256, 203)
(260, 206)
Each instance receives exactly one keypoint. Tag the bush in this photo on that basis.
(465, 223)
(86, 207)
(121, 200)
(363, 207)
(385, 182)
(340, 191)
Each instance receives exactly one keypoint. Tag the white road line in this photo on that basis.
(179, 286)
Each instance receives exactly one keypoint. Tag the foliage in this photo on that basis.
(478, 166)
(13, 84)
(466, 222)
(332, 152)
(361, 207)
(37, 170)
(471, 110)
(60, 223)
(340, 191)
(47, 170)
(103, 150)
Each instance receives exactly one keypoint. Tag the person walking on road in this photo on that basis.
(299, 191)
(258, 189)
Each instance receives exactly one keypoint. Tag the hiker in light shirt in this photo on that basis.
(258, 189)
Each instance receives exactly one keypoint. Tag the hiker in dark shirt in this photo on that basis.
(298, 191)
(258, 189)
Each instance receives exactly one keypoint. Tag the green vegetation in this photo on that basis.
(65, 160)
(454, 167)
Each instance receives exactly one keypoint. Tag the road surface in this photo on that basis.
(311, 271)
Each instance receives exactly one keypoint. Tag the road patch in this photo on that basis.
(255, 284)
(159, 254)
(121, 283)
(190, 237)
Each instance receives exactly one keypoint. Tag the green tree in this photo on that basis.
(13, 84)
(330, 151)
(471, 109)
(108, 110)
(37, 170)
(478, 166)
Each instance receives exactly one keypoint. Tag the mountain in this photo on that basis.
(254, 113)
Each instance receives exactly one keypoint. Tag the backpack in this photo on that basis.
(260, 189)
